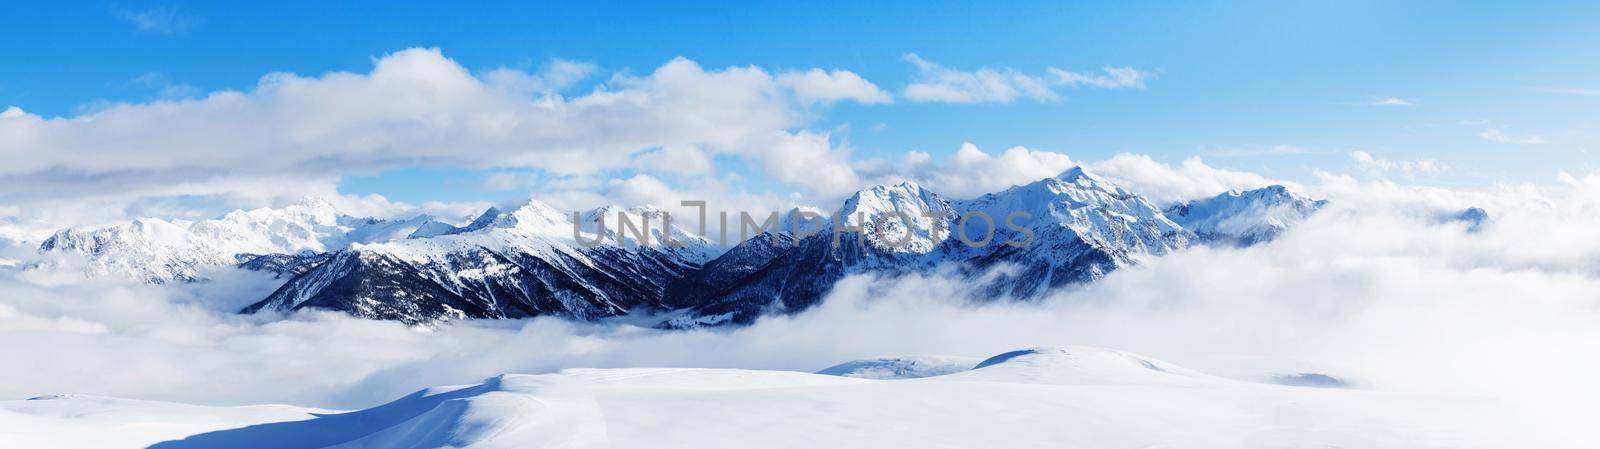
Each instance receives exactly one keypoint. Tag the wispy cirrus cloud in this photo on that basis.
(1586, 92)
(163, 20)
(937, 83)
(1498, 136)
(1391, 101)
(163, 86)
(820, 86)
(1275, 150)
(1369, 162)
(1114, 78)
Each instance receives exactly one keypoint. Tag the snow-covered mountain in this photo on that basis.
(535, 260)
(518, 263)
(1082, 227)
(1072, 228)
(158, 251)
(779, 273)
(1473, 217)
(1244, 218)
(150, 249)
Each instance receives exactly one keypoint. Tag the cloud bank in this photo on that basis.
(418, 108)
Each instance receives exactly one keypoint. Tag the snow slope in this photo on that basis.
(84, 421)
(904, 367)
(1067, 397)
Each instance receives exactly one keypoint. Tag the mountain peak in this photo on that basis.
(921, 206)
(907, 197)
(1271, 191)
(1078, 173)
(1245, 218)
(314, 202)
(537, 217)
(1082, 184)
(1079, 205)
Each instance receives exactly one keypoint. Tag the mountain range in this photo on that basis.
(536, 260)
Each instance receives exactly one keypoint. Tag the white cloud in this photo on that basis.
(1369, 162)
(505, 181)
(937, 83)
(819, 86)
(163, 86)
(642, 189)
(559, 74)
(1275, 150)
(1575, 91)
(1114, 78)
(809, 160)
(417, 107)
(1166, 184)
(1391, 101)
(970, 171)
(679, 159)
(1498, 136)
(159, 20)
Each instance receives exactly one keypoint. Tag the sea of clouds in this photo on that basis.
(1380, 289)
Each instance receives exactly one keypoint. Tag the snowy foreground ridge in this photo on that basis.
(1075, 397)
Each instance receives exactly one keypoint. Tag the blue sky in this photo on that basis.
(1494, 91)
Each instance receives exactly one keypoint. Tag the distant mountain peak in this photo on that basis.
(315, 202)
(1077, 173)
(1243, 218)
(882, 213)
(157, 250)
(903, 197)
(537, 217)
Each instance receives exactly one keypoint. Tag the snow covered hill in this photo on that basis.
(1063, 397)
